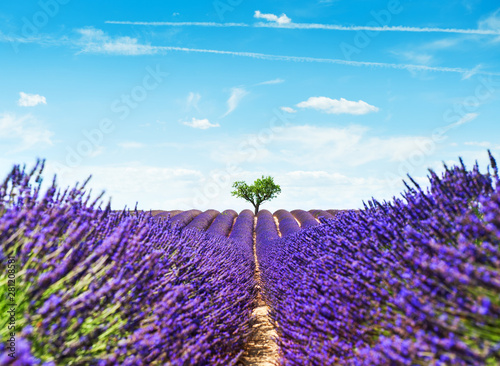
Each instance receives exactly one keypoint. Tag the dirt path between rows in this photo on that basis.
(277, 223)
(261, 349)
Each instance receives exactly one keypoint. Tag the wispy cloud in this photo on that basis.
(24, 132)
(352, 145)
(131, 145)
(271, 82)
(336, 106)
(179, 24)
(472, 72)
(465, 119)
(192, 101)
(96, 41)
(416, 57)
(492, 23)
(40, 39)
(30, 100)
(288, 110)
(443, 43)
(237, 94)
(281, 20)
(202, 124)
(355, 28)
(487, 27)
(263, 56)
(483, 144)
(13, 38)
(144, 182)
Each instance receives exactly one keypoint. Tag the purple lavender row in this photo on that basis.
(415, 281)
(166, 214)
(305, 218)
(184, 218)
(242, 233)
(202, 221)
(266, 230)
(266, 234)
(321, 213)
(287, 223)
(223, 223)
(96, 287)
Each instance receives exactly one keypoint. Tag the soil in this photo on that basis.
(277, 223)
(261, 349)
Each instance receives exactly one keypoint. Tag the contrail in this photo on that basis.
(379, 29)
(180, 24)
(269, 57)
(333, 27)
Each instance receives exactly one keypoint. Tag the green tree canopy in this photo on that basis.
(263, 189)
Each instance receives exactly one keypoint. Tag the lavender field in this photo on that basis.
(413, 281)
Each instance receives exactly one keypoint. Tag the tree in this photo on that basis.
(263, 189)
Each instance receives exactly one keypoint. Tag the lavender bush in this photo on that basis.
(305, 218)
(415, 281)
(184, 218)
(266, 230)
(96, 287)
(242, 233)
(287, 223)
(223, 223)
(202, 221)
(320, 213)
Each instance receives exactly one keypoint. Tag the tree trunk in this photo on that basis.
(256, 209)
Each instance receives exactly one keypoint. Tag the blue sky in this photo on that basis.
(168, 103)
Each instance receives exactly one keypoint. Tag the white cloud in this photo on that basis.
(483, 144)
(472, 72)
(282, 19)
(335, 106)
(96, 41)
(237, 94)
(319, 189)
(353, 145)
(465, 119)
(444, 43)
(288, 110)
(192, 101)
(30, 100)
(272, 82)
(201, 124)
(311, 146)
(131, 145)
(303, 189)
(23, 132)
(41, 39)
(416, 57)
(132, 181)
(492, 23)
